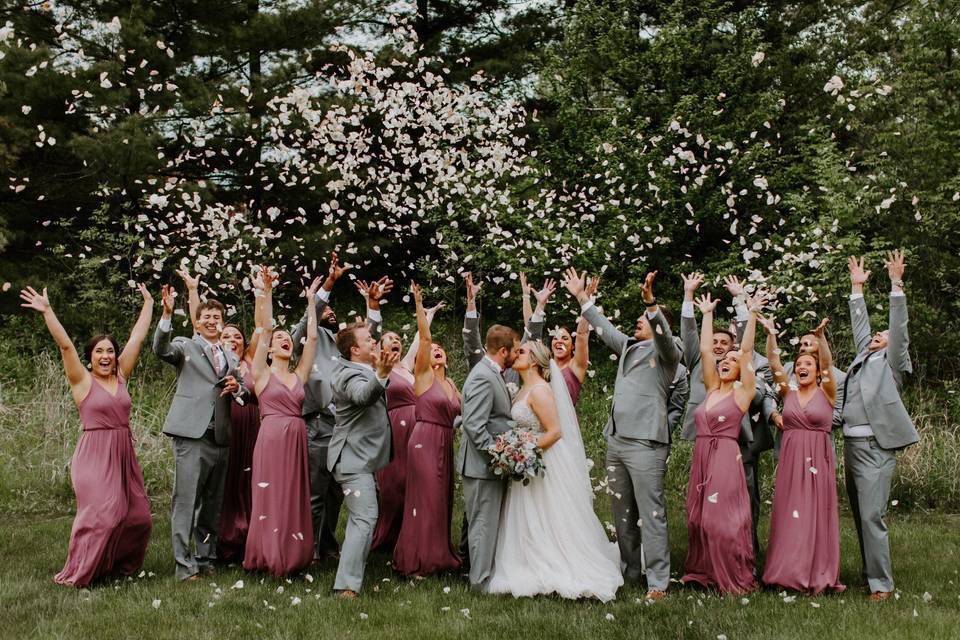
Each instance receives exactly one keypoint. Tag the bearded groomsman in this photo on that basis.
(637, 435)
(198, 423)
(319, 410)
(875, 423)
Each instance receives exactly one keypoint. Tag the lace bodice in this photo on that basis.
(524, 416)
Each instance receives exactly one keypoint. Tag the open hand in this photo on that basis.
(543, 296)
(706, 304)
(524, 286)
(576, 283)
(380, 288)
(735, 286)
(432, 311)
(311, 291)
(336, 269)
(385, 361)
(168, 297)
(858, 275)
(692, 282)
(593, 284)
(190, 282)
(821, 327)
(473, 288)
(33, 300)
(895, 265)
(646, 289)
(147, 297)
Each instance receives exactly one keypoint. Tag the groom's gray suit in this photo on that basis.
(319, 410)
(198, 422)
(873, 408)
(361, 445)
(486, 413)
(638, 443)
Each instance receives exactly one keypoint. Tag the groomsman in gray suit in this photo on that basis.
(486, 413)
(198, 423)
(638, 440)
(319, 409)
(360, 446)
(875, 422)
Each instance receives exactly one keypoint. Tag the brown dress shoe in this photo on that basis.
(880, 596)
(194, 578)
(655, 596)
(347, 594)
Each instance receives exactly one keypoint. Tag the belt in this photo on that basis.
(860, 438)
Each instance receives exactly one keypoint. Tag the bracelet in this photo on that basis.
(652, 303)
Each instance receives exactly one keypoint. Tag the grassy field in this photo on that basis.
(926, 550)
(39, 428)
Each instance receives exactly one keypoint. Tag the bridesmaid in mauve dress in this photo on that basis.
(244, 426)
(401, 408)
(574, 358)
(112, 527)
(280, 538)
(804, 549)
(424, 545)
(720, 541)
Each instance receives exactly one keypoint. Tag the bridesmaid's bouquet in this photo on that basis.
(515, 455)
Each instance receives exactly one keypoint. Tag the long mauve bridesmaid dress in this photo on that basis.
(235, 511)
(112, 527)
(720, 542)
(391, 480)
(280, 538)
(424, 545)
(804, 549)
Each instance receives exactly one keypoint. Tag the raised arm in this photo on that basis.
(131, 351)
(581, 354)
(260, 369)
(663, 342)
(472, 346)
(711, 379)
(748, 374)
(689, 335)
(898, 340)
(773, 357)
(193, 294)
(335, 271)
(859, 317)
(374, 293)
(526, 307)
(422, 371)
(544, 405)
(72, 366)
(533, 329)
(305, 364)
(163, 348)
(576, 284)
(410, 356)
(827, 382)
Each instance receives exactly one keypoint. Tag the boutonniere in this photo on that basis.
(512, 389)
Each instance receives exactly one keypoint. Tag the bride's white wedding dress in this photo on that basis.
(550, 540)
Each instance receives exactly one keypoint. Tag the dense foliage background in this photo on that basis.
(766, 139)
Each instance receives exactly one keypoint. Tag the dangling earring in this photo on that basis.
(90, 366)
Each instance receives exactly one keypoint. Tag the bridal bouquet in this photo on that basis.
(516, 455)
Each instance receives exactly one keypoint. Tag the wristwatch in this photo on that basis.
(897, 283)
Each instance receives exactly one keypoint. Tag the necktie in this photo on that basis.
(218, 359)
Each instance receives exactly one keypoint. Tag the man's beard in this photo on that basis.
(329, 323)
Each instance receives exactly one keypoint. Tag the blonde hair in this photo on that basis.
(540, 354)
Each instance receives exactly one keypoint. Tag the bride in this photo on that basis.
(550, 540)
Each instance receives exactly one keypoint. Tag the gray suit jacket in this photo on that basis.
(486, 413)
(318, 391)
(473, 345)
(881, 376)
(361, 440)
(196, 402)
(644, 375)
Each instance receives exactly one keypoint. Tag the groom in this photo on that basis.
(638, 439)
(486, 413)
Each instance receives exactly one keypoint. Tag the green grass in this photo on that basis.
(39, 428)
(926, 551)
